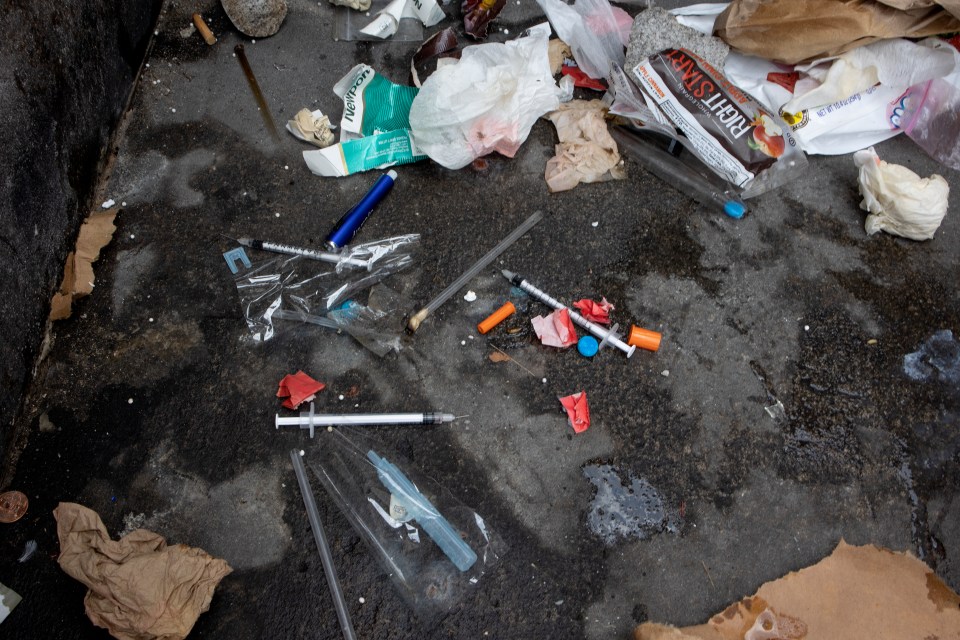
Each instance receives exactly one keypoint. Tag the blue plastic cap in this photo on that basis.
(588, 346)
(734, 209)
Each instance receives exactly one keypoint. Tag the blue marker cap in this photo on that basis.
(588, 346)
(734, 208)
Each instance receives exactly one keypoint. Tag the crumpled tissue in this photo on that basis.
(899, 201)
(586, 152)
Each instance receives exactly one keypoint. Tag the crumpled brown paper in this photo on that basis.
(857, 593)
(140, 588)
(95, 233)
(794, 31)
(586, 152)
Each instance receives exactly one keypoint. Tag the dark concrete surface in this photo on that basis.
(66, 70)
(155, 410)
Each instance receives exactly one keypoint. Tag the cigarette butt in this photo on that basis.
(204, 30)
(496, 317)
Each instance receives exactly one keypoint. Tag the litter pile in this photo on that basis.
(724, 102)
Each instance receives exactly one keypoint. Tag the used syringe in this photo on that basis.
(606, 335)
(313, 254)
(310, 420)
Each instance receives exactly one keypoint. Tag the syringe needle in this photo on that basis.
(605, 335)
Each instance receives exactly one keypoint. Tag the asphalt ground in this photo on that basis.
(154, 409)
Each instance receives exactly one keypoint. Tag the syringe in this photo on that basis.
(310, 420)
(605, 335)
(313, 254)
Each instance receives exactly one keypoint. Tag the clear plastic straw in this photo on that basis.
(414, 323)
(325, 556)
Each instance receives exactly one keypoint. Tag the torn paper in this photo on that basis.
(586, 152)
(95, 233)
(556, 329)
(595, 311)
(139, 588)
(298, 388)
(577, 410)
(857, 593)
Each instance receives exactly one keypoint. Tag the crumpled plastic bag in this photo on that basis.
(586, 152)
(487, 101)
(596, 32)
(896, 64)
(899, 201)
(140, 589)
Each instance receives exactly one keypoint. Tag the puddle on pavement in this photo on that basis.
(937, 358)
(623, 511)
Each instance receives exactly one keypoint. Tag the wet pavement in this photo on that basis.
(806, 389)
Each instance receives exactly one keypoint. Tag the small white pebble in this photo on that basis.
(463, 342)
(151, 319)
(506, 30)
(301, 452)
(595, 224)
(544, 381)
(132, 236)
(129, 400)
(148, 65)
(253, 42)
(470, 337)
(108, 203)
(362, 600)
(277, 214)
(340, 397)
(157, 32)
(470, 297)
(286, 167)
(173, 110)
(330, 429)
(665, 373)
(123, 204)
(806, 327)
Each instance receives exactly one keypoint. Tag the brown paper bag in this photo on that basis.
(793, 31)
(857, 593)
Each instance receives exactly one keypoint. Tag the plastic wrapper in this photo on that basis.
(738, 139)
(594, 30)
(296, 284)
(485, 102)
(434, 548)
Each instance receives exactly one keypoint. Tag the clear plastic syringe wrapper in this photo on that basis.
(296, 287)
(433, 547)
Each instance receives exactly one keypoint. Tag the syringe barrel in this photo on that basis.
(360, 419)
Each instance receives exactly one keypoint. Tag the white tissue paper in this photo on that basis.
(899, 201)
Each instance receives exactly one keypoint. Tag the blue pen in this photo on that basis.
(348, 226)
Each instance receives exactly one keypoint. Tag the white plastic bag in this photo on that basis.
(899, 201)
(488, 101)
